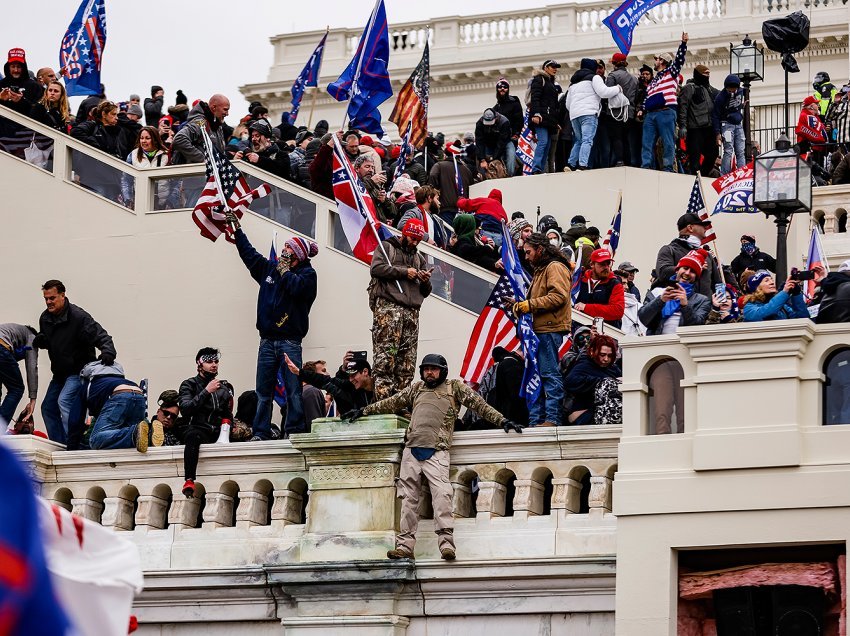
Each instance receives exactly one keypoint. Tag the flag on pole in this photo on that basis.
(576, 282)
(612, 238)
(309, 77)
(815, 258)
(736, 192)
(411, 106)
(81, 52)
(280, 386)
(226, 188)
(696, 205)
(355, 207)
(525, 147)
(454, 151)
(623, 20)
(405, 149)
(365, 82)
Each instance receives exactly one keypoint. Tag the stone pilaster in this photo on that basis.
(183, 512)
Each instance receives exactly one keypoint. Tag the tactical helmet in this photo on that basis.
(820, 78)
(434, 360)
(547, 223)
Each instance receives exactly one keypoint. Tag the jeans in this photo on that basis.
(659, 123)
(541, 152)
(584, 130)
(63, 412)
(116, 425)
(10, 377)
(733, 141)
(510, 158)
(269, 360)
(496, 236)
(547, 407)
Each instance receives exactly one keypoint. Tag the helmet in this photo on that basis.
(263, 127)
(547, 223)
(434, 360)
(820, 78)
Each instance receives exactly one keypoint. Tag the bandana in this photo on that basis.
(748, 248)
(213, 357)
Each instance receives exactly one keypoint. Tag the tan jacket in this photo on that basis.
(385, 274)
(549, 298)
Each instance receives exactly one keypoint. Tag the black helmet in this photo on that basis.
(819, 79)
(434, 360)
(263, 127)
(547, 223)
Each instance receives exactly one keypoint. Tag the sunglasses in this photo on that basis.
(168, 414)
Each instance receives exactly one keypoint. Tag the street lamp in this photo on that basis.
(746, 60)
(782, 187)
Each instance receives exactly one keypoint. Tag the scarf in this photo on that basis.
(672, 306)
(748, 248)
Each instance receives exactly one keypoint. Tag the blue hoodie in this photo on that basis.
(728, 108)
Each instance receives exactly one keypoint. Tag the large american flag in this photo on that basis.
(696, 205)
(226, 188)
(411, 106)
(495, 327)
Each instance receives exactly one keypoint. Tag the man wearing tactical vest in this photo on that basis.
(435, 404)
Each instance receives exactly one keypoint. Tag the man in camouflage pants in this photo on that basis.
(434, 404)
(400, 282)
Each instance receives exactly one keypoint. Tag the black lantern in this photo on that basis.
(746, 60)
(782, 186)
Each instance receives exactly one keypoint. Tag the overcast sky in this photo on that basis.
(202, 47)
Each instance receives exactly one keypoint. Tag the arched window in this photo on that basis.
(666, 398)
(836, 388)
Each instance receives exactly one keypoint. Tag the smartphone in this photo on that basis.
(599, 324)
(720, 290)
(358, 355)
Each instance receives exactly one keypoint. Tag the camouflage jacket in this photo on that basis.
(434, 411)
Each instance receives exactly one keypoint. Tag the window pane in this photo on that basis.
(836, 407)
(110, 183)
(26, 144)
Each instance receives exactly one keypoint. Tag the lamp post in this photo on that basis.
(782, 186)
(746, 60)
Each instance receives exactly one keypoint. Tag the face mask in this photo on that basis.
(553, 242)
(244, 137)
(694, 241)
(748, 248)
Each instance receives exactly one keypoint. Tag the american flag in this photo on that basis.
(696, 205)
(401, 164)
(612, 238)
(525, 147)
(495, 327)
(225, 188)
(411, 106)
(454, 151)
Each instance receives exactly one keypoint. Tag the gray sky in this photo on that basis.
(202, 47)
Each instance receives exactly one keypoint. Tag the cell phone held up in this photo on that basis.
(358, 355)
(798, 275)
(599, 325)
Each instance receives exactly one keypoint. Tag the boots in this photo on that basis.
(399, 553)
(142, 432)
(224, 435)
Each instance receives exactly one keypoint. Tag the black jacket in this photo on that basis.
(153, 110)
(347, 398)
(581, 381)
(835, 305)
(668, 257)
(283, 303)
(28, 88)
(480, 255)
(52, 117)
(505, 397)
(274, 160)
(544, 99)
(117, 140)
(759, 260)
(511, 107)
(203, 409)
(86, 105)
(495, 136)
(71, 340)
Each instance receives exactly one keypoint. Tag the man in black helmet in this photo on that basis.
(264, 152)
(434, 403)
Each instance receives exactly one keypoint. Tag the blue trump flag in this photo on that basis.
(81, 53)
(623, 20)
(309, 77)
(520, 283)
(365, 82)
(279, 386)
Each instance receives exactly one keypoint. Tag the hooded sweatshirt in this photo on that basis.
(28, 88)
(587, 90)
(488, 210)
(188, 144)
(510, 106)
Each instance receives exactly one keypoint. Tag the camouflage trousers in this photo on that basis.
(395, 333)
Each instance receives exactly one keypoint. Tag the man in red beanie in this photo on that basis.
(601, 292)
(401, 280)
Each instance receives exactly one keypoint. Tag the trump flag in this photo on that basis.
(81, 53)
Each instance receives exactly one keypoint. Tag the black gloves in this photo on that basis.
(352, 415)
(231, 218)
(40, 341)
(107, 359)
(510, 424)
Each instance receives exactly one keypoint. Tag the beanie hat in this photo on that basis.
(618, 58)
(702, 69)
(732, 80)
(382, 153)
(181, 98)
(302, 248)
(403, 186)
(326, 138)
(17, 55)
(366, 140)
(646, 67)
(755, 280)
(502, 83)
(694, 260)
(155, 89)
(135, 98)
(135, 109)
(167, 118)
(464, 225)
(517, 226)
(414, 229)
(748, 237)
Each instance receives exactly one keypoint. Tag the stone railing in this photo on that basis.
(293, 501)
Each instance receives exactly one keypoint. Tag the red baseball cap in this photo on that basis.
(414, 228)
(366, 140)
(811, 99)
(17, 55)
(601, 255)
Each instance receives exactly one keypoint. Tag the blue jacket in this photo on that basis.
(283, 303)
(728, 109)
(781, 307)
(582, 379)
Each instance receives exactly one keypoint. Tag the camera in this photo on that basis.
(797, 275)
(358, 355)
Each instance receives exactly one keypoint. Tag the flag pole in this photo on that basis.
(714, 240)
(316, 87)
(360, 45)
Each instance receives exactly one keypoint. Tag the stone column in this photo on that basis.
(462, 500)
(87, 508)
(253, 509)
(491, 499)
(599, 500)
(184, 512)
(118, 513)
(566, 495)
(218, 513)
(152, 512)
(529, 498)
(286, 509)
(351, 512)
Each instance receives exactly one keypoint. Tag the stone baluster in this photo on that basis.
(491, 499)
(152, 512)
(529, 498)
(90, 509)
(599, 499)
(566, 495)
(286, 509)
(218, 512)
(118, 513)
(462, 505)
(253, 509)
(830, 222)
(184, 513)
